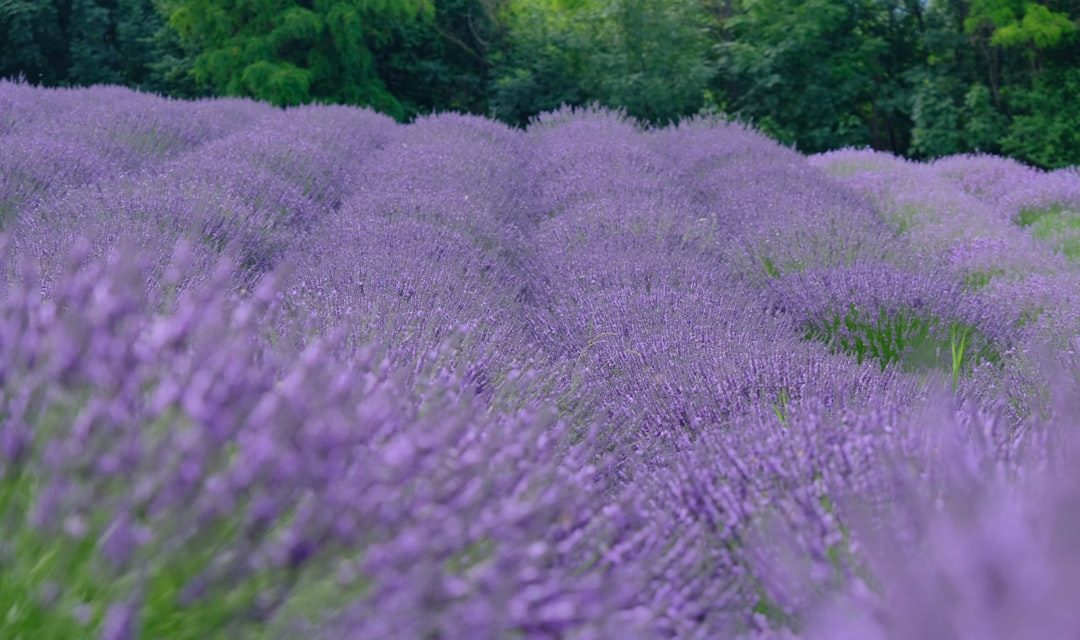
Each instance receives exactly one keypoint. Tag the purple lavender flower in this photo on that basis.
(312, 372)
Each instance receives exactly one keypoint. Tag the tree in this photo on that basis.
(937, 129)
(652, 59)
(1030, 49)
(291, 52)
(984, 126)
(94, 58)
(79, 42)
(824, 73)
(1046, 128)
(1000, 28)
(32, 41)
(137, 27)
(541, 65)
(443, 61)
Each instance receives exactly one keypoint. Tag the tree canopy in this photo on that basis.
(290, 52)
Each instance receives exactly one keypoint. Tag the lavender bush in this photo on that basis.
(270, 374)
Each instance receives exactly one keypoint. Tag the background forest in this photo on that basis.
(922, 78)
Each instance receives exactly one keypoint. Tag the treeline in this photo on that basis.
(923, 78)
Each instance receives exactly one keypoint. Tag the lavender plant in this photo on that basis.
(309, 372)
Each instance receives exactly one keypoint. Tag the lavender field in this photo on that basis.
(311, 373)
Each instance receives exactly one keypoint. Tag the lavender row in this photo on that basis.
(204, 458)
(321, 374)
(53, 140)
(252, 193)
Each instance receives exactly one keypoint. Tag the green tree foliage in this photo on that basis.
(984, 126)
(652, 59)
(945, 124)
(1030, 52)
(937, 118)
(172, 70)
(138, 29)
(543, 64)
(443, 61)
(94, 59)
(290, 52)
(1019, 23)
(31, 41)
(79, 42)
(1046, 128)
(824, 73)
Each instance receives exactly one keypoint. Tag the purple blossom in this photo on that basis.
(322, 374)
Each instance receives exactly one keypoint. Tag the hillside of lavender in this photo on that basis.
(312, 373)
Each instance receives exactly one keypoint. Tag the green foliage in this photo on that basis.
(984, 125)
(136, 24)
(57, 584)
(290, 52)
(81, 42)
(651, 59)
(32, 41)
(990, 15)
(770, 267)
(948, 121)
(883, 337)
(93, 59)
(1056, 225)
(976, 280)
(1046, 128)
(905, 338)
(1030, 215)
(1039, 27)
(937, 119)
(1015, 23)
(823, 73)
(780, 406)
(542, 65)
(171, 71)
(1016, 61)
(442, 61)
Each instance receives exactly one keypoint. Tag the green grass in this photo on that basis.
(770, 268)
(1055, 225)
(780, 406)
(1062, 232)
(1030, 215)
(54, 585)
(904, 218)
(911, 340)
(7, 210)
(46, 579)
(885, 338)
(316, 594)
(975, 280)
(774, 270)
(768, 608)
(49, 576)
